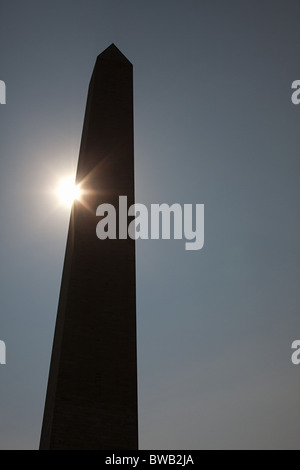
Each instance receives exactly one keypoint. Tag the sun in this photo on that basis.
(68, 191)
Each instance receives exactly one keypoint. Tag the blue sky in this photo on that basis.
(214, 125)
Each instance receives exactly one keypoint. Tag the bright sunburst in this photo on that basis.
(67, 192)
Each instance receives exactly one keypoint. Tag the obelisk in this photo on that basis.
(91, 398)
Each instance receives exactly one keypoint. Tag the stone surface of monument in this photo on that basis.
(91, 398)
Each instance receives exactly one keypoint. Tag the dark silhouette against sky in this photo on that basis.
(214, 124)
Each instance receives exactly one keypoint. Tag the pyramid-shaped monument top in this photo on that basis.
(112, 53)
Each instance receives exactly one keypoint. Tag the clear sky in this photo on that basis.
(214, 124)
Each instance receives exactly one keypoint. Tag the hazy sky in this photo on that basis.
(214, 124)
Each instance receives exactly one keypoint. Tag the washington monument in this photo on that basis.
(91, 398)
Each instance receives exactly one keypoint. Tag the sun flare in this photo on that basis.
(68, 191)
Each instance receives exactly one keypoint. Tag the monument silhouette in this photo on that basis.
(91, 400)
